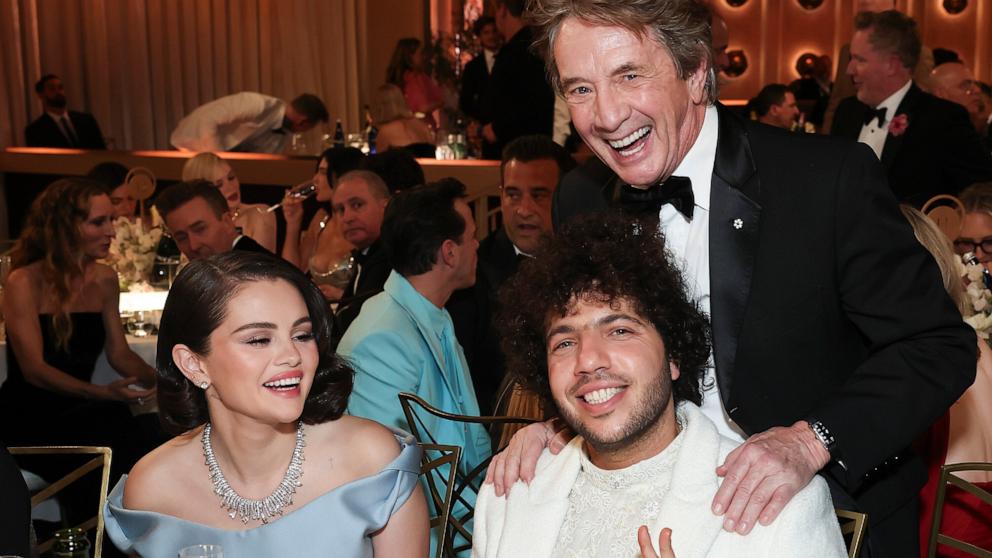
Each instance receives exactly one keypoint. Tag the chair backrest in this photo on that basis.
(101, 461)
(852, 526)
(947, 212)
(948, 476)
(439, 468)
(467, 483)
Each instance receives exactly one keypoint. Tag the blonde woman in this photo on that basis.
(398, 128)
(250, 218)
(964, 433)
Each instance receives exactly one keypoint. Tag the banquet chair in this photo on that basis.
(948, 476)
(852, 526)
(101, 461)
(465, 483)
(439, 467)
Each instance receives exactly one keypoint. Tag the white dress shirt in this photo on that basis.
(689, 244)
(247, 121)
(874, 133)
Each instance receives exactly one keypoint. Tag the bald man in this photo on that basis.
(953, 81)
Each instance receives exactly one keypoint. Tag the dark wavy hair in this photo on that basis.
(402, 60)
(197, 305)
(605, 257)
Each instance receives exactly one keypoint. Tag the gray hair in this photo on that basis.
(683, 27)
(377, 186)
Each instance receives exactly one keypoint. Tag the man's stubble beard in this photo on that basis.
(647, 415)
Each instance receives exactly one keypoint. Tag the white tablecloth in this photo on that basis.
(103, 373)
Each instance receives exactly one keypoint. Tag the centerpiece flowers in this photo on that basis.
(979, 312)
(132, 253)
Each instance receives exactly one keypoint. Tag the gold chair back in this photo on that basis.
(466, 482)
(853, 526)
(948, 476)
(101, 461)
(947, 212)
(439, 467)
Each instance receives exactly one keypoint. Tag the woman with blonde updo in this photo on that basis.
(252, 219)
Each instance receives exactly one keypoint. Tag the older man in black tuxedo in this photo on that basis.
(927, 145)
(60, 127)
(834, 344)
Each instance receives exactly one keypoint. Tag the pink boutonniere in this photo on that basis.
(898, 125)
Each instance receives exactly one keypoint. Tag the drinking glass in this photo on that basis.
(202, 551)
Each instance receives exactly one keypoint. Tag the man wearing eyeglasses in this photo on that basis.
(530, 170)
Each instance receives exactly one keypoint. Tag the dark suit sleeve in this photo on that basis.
(965, 161)
(15, 508)
(33, 136)
(522, 100)
(921, 355)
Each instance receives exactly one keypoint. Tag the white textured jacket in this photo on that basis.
(526, 522)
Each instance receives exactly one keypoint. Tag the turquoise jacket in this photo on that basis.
(395, 346)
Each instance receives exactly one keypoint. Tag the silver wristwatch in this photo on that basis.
(823, 434)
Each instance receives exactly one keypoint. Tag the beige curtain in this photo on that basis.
(140, 65)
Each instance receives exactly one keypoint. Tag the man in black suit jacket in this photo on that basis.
(834, 342)
(473, 99)
(198, 217)
(927, 145)
(59, 127)
(360, 200)
(522, 102)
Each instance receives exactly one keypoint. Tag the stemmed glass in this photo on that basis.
(301, 191)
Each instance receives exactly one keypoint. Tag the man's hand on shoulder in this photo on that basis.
(518, 461)
(763, 474)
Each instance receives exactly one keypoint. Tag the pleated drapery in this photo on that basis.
(140, 65)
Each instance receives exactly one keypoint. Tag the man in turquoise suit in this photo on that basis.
(403, 339)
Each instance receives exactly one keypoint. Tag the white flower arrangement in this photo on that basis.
(132, 253)
(979, 298)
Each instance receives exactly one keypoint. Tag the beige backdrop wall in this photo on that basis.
(140, 65)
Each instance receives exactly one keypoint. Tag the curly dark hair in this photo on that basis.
(196, 306)
(606, 257)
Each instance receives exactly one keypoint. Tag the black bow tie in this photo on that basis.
(676, 190)
(872, 114)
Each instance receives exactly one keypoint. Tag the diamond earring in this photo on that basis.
(204, 385)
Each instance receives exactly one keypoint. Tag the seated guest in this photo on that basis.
(247, 121)
(61, 312)
(776, 106)
(530, 170)
(322, 246)
(60, 127)
(600, 325)
(398, 168)
(359, 203)
(398, 128)
(249, 381)
(112, 175)
(403, 339)
(197, 216)
(964, 433)
(252, 219)
(976, 226)
(953, 81)
(529, 173)
(473, 99)
(15, 509)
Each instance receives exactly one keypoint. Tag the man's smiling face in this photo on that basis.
(627, 100)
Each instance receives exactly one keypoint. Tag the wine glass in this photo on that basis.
(301, 191)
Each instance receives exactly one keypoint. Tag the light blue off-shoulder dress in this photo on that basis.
(337, 524)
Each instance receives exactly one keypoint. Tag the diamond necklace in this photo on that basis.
(246, 508)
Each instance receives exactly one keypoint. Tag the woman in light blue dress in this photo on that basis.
(265, 463)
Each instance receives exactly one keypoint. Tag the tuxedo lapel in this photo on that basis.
(734, 224)
(893, 144)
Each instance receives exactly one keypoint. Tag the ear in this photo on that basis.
(189, 364)
(697, 85)
(674, 367)
(447, 253)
